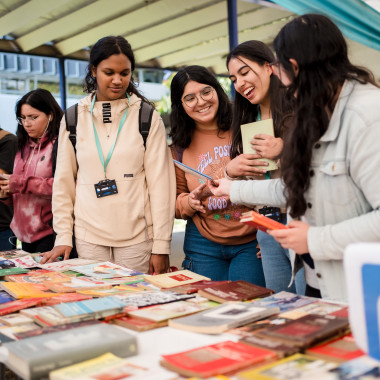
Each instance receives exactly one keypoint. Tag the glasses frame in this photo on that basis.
(23, 120)
(200, 94)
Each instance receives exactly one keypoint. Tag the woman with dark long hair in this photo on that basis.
(260, 96)
(116, 190)
(216, 244)
(30, 186)
(330, 159)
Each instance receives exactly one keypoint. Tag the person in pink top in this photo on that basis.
(29, 188)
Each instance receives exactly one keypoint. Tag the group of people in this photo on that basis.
(118, 194)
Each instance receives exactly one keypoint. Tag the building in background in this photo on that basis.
(20, 73)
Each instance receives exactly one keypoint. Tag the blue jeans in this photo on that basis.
(277, 266)
(7, 240)
(221, 262)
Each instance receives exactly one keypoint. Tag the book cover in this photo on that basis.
(12, 253)
(261, 222)
(65, 265)
(284, 300)
(14, 270)
(294, 367)
(105, 269)
(17, 305)
(97, 306)
(76, 283)
(5, 297)
(363, 367)
(104, 367)
(24, 261)
(196, 286)
(21, 290)
(234, 291)
(306, 330)
(15, 319)
(48, 316)
(219, 358)
(280, 348)
(248, 131)
(138, 324)
(159, 313)
(222, 318)
(317, 307)
(49, 329)
(172, 279)
(339, 350)
(35, 357)
(144, 299)
(66, 297)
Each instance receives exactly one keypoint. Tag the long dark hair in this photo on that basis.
(246, 112)
(318, 46)
(43, 101)
(182, 125)
(103, 49)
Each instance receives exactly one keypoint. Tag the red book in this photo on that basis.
(338, 350)
(261, 222)
(219, 358)
(13, 306)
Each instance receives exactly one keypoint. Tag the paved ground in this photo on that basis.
(177, 254)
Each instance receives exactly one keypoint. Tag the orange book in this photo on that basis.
(261, 222)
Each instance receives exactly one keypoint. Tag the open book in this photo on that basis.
(248, 131)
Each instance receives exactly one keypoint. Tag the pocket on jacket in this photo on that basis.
(337, 186)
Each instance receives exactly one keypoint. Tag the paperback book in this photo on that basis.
(172, 279)
(234, 291)
(261, 222)
(248, 131)
(223, 317)
(35, 357)
(219, 358)
(104, 367)
(337, 350)
(196, 286)
(65, 265)
(284, 300)
(294, 367)
(307, 330)
(105, 270)
(160, 313)
(138, 324)
(17, 305)
(20, 290)
(144, 299)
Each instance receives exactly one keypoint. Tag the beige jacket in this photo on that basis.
(144, 206)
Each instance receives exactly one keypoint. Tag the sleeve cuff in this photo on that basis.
(161, 247)
(64, 239)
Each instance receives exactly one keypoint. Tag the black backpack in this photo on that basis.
(145, 120)
(71, 118)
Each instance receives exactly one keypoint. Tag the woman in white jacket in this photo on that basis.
(330, 161)
(118, 193)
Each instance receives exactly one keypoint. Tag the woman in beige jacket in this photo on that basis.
(116, 193)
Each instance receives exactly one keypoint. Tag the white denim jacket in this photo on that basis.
(344, 194)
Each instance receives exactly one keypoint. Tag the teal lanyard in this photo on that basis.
(267, 174)
(98, 146)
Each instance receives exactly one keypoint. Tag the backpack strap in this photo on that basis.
(71, 118)
(145, 120)
(54, 153)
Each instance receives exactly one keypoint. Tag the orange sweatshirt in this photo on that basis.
(209, 154)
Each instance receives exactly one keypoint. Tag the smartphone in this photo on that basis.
(261, 222)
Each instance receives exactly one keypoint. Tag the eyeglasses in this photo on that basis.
(191, 100)
(23, 120)
(275, 67)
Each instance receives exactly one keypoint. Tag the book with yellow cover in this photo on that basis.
(20, 290)
(295, 367)
(180, 277)
(248, 131)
